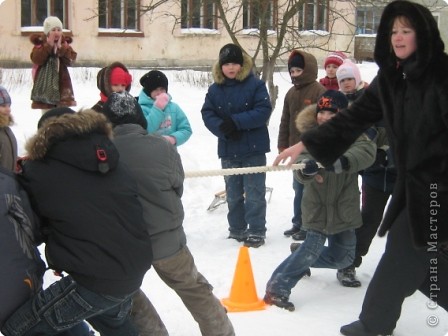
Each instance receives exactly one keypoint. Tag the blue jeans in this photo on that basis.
(298, 192)
(64, 305)
(246, 197)
(339, 253)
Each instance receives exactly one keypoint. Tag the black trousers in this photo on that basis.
(402, 270)
(373, 203)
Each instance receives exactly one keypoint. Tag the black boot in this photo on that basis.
(357, 328)
(347, 277)
(301, 235)
(291, 231)
(279, 301)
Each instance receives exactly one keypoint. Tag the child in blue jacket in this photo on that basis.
(164, 117)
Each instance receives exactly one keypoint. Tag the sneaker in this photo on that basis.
(347, 277)
(291, 231)
(254, 241)
(299, 235)
(279, 301)
(239, 237)
(357, 328)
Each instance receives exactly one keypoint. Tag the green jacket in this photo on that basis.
(331, 202)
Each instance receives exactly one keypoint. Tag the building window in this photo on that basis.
(313, 15)
(34, 12)
(198, 14)
(119, 14)
(256, 10)
(368, 19)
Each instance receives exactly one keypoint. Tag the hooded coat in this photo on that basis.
(246, 101)
(306, 91)
(103, 84)
(412, 97)
(66, 56)
(331, 204)
(92, 221)
(8, 144)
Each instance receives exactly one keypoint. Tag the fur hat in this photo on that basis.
(50, 23)
(153, 80)
(348, 69)
(335, 57)
(54, 112)
(231, 53)
(122, 108)
(331, 100)
(5, 98)
(296, 60)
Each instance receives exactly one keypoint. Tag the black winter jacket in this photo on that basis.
(412, 96)
(87, 200)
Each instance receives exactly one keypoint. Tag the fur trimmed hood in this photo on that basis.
(246, 70)
(6, 121)
(60, 129)
(306, 119)
(40, 38)
(103, 78)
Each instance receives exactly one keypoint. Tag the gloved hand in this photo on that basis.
(381, 158)
(311, 168)
(228, 126)
(162, 100)
(339, 165)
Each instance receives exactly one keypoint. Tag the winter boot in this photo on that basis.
(357, 328)
(279, 301)
(239, 237)
(254, 241)
(301, 235)
(291, 231)
(347, 277)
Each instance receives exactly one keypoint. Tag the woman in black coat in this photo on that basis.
(410, 92)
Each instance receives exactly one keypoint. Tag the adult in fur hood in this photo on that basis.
(410, 92)
(236, 110)
(52, 44)
(92, 224)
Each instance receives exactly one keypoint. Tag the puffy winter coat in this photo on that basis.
(20, 262)
(245, 100)
(157, 168)
(304, 93)
(170, 121)
(412, 97)
(87, 199)
(330, 202)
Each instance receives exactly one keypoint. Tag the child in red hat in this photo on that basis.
(331, 64)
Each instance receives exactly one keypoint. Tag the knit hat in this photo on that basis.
(296, 60)
(50, 23)
(348, 69)
(335, 57)
(119, 76)
(331, 100)
(54, 112)
(122, 108)
(231, 53)
(153, 80)
(5, 98)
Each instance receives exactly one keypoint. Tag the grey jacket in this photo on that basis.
(331, 202)
(157, 167)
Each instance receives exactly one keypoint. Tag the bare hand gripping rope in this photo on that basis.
(241, 171)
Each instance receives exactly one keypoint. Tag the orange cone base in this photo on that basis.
(233, 307)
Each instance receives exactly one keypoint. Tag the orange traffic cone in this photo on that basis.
(243, 295)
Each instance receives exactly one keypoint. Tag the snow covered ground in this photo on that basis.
(322, 304)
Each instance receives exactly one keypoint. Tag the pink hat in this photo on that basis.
(335, 57)
(348, 69)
